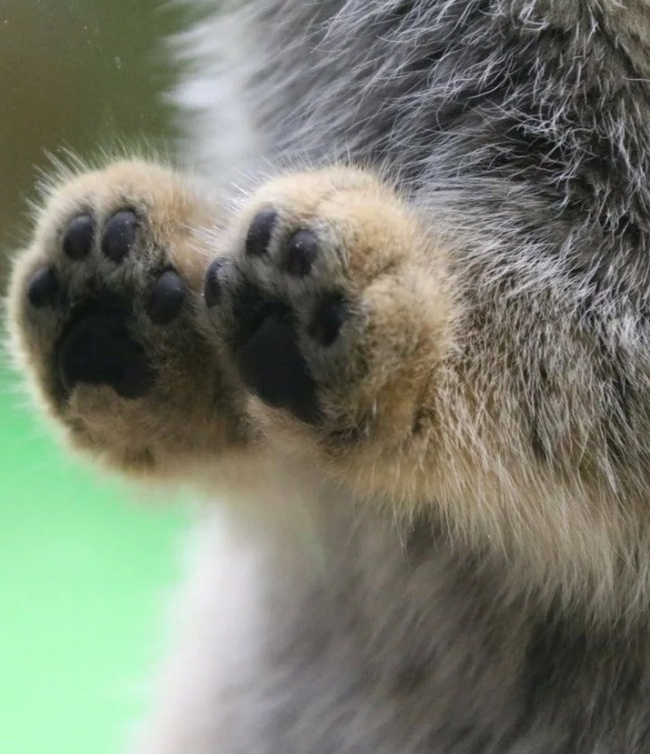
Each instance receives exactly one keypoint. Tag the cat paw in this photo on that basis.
(328, 305)
(105, 315)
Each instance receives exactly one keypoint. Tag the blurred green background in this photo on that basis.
(83, 566)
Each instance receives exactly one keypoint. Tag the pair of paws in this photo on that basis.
(153, 329)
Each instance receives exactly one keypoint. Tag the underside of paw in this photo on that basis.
(98, 343)
(276, 302)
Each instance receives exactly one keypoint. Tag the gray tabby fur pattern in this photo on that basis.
(475, 580)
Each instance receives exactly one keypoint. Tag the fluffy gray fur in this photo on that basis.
(522, 127)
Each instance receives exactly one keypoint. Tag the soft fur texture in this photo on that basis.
(418, 372)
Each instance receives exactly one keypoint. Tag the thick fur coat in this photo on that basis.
(397, 325)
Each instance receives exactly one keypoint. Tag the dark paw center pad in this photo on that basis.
(97, 349)
(273, 368)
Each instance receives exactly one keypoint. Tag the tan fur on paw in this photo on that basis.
(105, 316)
(335, 306)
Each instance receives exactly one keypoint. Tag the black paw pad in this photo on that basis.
(212, 284)
(273, 368)
(328, 320)
(98, 350)
(42, 288)
(166, 298)
(250, 307)
(259, 232)
(120, 235)
(301, 253)
(79, 237)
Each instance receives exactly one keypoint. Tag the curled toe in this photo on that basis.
(79, 237)
(120, 235)
(259, 233)
(166, 298)
(42, 288)
(301, 253)
(212, 285)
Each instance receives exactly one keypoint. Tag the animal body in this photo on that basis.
(395, 325)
